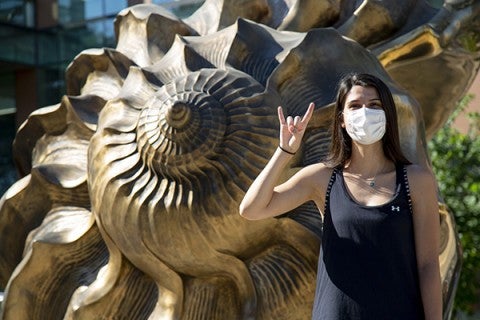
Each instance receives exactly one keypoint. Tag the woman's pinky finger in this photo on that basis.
(309, 112)
(281, 117)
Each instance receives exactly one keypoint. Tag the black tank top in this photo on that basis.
(367, 268)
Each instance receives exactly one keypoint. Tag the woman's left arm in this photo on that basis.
(426, 221)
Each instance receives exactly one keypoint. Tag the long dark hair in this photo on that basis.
(341, 143)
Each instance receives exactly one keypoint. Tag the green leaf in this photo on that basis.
(456, 162)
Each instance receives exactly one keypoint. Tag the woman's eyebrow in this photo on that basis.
(358, 100)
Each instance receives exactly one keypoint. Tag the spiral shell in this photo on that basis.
(180, 149)
(196, 129)
(168, 130)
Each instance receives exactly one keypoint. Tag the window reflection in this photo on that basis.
(115, 6)
(72, 11)
(62, 30)
(7, 92)
(18, 12)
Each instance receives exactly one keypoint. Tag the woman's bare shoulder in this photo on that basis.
(318, 175)
(420, 178)
(319, 171)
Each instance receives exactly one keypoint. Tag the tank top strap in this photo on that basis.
(402, 179)
(329, 189)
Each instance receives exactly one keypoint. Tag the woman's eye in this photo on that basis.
(374, 105)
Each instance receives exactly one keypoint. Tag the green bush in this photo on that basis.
(456, 162)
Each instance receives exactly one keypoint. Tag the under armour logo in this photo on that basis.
(396, 208)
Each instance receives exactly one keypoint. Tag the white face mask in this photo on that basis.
(365, 125)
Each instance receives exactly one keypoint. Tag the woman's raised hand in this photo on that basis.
(292, 129)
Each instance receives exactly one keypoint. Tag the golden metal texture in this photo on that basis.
(128, 203)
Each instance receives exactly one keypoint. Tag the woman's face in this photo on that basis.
(359, 97)
(363, 116)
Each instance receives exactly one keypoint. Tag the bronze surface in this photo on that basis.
(128, 205)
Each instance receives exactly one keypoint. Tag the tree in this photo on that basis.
(456, 162)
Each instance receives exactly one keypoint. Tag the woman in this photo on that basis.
(379, 257)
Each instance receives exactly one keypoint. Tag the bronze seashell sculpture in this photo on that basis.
(128, 203)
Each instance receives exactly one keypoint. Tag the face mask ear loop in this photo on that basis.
(341, 117)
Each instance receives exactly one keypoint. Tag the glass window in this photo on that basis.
(110, 39)
(72, 42)
(74, 11)
(94, 34)
(113, 7)
(8, 175)
(29, 14)
(48, 48)
(71, 11)
(7, 130)
(7, 92)
(93, 8)
(63, 11)
(19, 12)
(50, 84)
(18, 45)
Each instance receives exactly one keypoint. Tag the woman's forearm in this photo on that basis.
(431, 291)
(255, 203)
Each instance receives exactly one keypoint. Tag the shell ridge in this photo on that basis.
(121, 62)
(161, 42)
(214, 47)
(259, 157)
(205, 19)
(120, 191)
(140, 182)
(194, 61)
(120, 170)
(282, 272)
(223, 88)
(308, 216)
(259, 69)
(131, 37)
(208, 76)
(85, 111)
(190, 80)
(97, 60)
(188, 191)
(234, 186)
(101, 84)
(137, 87)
